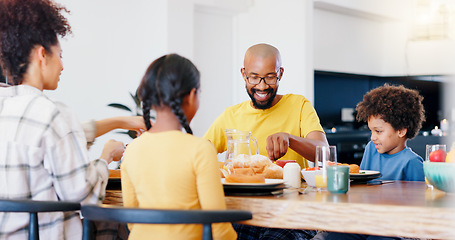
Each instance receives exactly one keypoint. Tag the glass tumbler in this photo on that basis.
(324, 156)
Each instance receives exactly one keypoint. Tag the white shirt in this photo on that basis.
(43, 156)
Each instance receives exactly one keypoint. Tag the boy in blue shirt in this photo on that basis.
(394, 115)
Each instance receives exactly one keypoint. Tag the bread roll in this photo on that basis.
(254, 165)
(354, 168)
(235, 178)
(259, 162)
(241, 161)
(273, 171)
(244, 171)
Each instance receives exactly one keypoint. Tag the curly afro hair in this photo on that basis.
(399, 106)
(25, 24)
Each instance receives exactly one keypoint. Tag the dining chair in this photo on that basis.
(158, 216)
(33, 207)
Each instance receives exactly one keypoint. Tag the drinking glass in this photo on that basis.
(435, 157)
(434, 147)
(324, 156)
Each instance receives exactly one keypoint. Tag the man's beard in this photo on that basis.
(264, 105)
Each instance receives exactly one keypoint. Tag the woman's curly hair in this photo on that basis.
(397, 105)
(25, 24)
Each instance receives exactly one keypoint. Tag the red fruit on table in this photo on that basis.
(437, 156)
(281, 163)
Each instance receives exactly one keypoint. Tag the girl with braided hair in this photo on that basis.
(166, 168)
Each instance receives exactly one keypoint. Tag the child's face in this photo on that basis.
(385, 138)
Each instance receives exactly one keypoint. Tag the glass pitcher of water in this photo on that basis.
(238, 143)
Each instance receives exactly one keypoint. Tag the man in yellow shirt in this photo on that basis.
(286, 126)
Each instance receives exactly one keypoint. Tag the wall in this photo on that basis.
(214, 57)
(224, 32)
(374, 38)
(115, 41)
(107, 55)
(436, 56)
(289, 28)
(344, 43)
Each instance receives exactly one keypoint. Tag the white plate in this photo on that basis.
(268, 182)
(365, 173)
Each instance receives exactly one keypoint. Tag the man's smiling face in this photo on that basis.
(262, 95)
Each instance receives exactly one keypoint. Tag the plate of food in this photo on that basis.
(365, 175)
(269, 187)
(269, 183)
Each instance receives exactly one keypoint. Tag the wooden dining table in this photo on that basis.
(399, 208)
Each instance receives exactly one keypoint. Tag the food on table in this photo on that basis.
(329, 163)
(244, 171)
(320, 181)
(223, 171)
(273, 171)
(241, 161)
(236, 178)
(281, 163)
(252, 165)
(450, 158)
(258, 162)
(309, 175)
(354, 168)
(437, 156)
(312, 168)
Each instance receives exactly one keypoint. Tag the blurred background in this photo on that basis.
(333, 52)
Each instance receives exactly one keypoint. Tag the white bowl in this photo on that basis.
(309, 177)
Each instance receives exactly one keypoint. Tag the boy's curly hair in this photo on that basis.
(397, 105)
(25, 24)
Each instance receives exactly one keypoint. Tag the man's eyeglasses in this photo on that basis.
(255, 80)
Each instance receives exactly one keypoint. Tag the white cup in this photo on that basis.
(291, 175)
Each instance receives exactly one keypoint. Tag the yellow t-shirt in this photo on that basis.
(173, 170)
(293, 114)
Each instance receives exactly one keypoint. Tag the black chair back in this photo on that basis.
(33, 207)
(159, 216)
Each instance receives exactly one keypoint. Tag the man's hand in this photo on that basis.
(277, 145)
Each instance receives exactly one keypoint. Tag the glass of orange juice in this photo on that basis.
(324, 154)
(320, 181)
